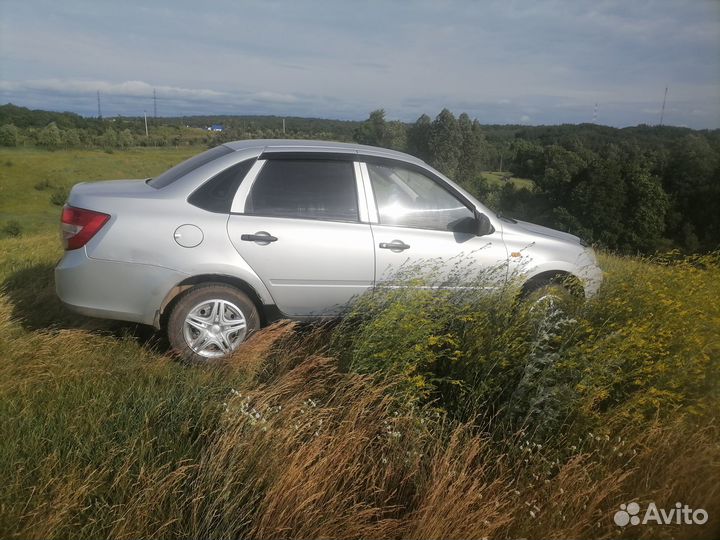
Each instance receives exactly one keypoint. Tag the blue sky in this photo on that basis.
(531, 62)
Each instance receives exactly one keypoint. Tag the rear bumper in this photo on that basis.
(113, 290)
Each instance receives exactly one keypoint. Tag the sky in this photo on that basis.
(506, 62)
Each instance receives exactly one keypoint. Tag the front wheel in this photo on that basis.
(210, 321)
(551, 298)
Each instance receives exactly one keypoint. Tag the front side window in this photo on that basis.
(305, 189)
(406, 198)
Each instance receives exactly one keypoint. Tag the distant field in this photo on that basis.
(495, 178)
(30, 177)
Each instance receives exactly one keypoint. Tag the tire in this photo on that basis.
(210, 321)
(551, 296)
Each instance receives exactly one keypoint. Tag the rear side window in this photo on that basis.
(187, 166)
(216, 195)
(306, 189)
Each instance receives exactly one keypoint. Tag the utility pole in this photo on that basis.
(595, 114)
(146, 130)
(662, 112)
(155, 105)
(283, 126)
(99, 109)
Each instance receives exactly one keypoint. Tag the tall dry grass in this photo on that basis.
(499, 425)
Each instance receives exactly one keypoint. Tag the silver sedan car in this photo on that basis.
(256, 230)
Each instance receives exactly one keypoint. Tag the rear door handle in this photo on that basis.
(395, 245)
(261, 237)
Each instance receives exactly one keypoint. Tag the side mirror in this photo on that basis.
(483, 225)
(479, 225)
(466, 225)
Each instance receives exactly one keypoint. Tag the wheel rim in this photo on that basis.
(214, 328)
(546, 302)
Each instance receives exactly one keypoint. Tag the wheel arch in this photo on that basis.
(568, 279)
(266, 312)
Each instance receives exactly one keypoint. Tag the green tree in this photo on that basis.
(528, 159)
(71, 138)
(50, 136)
(125, 138)
(372, 130)
(444, 143)
(395, 136)
(561, 170)
(596, 203)
(646, 206)
(418, 138)
(472, 150)
(690, 180)
(8, 135)
(109, 139)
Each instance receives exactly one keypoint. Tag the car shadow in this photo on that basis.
(36, 307)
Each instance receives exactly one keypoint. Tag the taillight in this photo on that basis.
(79, 226)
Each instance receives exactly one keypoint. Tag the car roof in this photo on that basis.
(302, 145)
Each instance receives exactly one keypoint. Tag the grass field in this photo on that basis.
(29, 177)
(498, 179)
(417, 416)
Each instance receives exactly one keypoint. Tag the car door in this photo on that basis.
(423, 227)
(300, 231)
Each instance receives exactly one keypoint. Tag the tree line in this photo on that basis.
(633, 190)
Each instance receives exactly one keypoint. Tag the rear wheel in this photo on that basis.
(210, 321)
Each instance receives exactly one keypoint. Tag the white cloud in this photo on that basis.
(274, 97)
(126, 88)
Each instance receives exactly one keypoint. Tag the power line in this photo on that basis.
(662, 112)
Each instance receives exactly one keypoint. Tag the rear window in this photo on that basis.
(216, 195)
(187, 166)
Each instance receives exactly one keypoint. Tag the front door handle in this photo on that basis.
(262, 237)
(395, 245)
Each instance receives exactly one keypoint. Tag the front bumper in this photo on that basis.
(590, 273)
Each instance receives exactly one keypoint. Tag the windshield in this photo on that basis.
(187, 166)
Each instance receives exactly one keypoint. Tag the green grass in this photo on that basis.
(418, 416)
(29, 177)
(499, 179)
